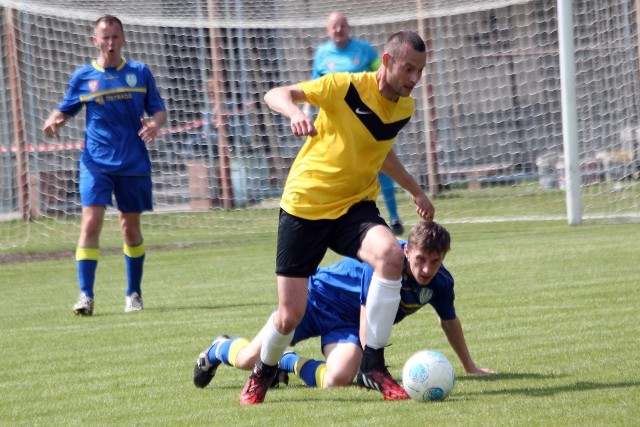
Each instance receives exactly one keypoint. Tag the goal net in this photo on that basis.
(486, 139)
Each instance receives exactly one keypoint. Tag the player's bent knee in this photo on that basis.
(395, 256)
(391, 262)
(287, 320)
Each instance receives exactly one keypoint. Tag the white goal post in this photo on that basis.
(486, 139)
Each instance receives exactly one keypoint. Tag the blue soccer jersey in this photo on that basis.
(355, 57)
(116, 98)
(345, 285)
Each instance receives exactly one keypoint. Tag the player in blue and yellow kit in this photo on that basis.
(117, 93)
(337, 295)
(343, 53)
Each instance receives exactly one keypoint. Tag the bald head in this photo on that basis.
(338, 29)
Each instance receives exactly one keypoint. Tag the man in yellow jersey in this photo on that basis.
(343, 53)
(329, 201)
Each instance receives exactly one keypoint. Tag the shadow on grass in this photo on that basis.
(273, 304)
(366, 396)
(504, 376)
(541, 391)
(544, 391)
(173, 308)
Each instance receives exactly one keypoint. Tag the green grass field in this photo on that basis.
(553, 308)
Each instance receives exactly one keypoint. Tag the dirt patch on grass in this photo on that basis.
(50, 256)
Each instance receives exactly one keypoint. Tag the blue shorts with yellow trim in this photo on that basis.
(321, 320)
(132, 193)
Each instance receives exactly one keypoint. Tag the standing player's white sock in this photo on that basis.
(382, 304)
(273, 343)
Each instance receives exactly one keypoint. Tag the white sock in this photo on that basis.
(382, 305)
(273, 343)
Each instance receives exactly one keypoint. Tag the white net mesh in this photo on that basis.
(488, 108)
(256, 14)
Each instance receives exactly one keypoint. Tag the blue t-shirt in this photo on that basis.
(345, 285)
(115, 99)
(355, 57)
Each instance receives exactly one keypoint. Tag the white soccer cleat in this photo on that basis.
(133, 303)
(84, 306)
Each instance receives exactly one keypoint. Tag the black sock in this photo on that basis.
(372, 359)
(267, 370)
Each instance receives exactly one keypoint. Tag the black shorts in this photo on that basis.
(302, 243)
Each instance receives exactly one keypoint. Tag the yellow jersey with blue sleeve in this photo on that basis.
(339, 166)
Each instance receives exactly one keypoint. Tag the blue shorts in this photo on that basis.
(132, 193)
(320, 320)
(303, 243)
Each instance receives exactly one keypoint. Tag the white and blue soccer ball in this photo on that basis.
(428, 376)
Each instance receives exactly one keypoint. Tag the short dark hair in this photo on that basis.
(109, 19)
(429, 236)
(398, 40)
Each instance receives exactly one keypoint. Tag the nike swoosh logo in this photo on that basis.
(359, 111)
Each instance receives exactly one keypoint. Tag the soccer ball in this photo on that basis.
(428, 376)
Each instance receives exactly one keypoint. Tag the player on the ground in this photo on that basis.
(336, 302)
(117, 92)
(329, 201)
(343, 53)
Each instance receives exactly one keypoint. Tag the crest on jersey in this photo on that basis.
(94, 85)
(131, 79)
(425, 295)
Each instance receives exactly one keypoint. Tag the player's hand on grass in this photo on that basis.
(480, 371)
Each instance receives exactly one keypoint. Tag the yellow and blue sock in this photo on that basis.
(309, 370)
(87, 264)
(134, 261)
(226, 351)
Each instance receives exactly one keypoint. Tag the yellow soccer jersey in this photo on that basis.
(339, 166)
